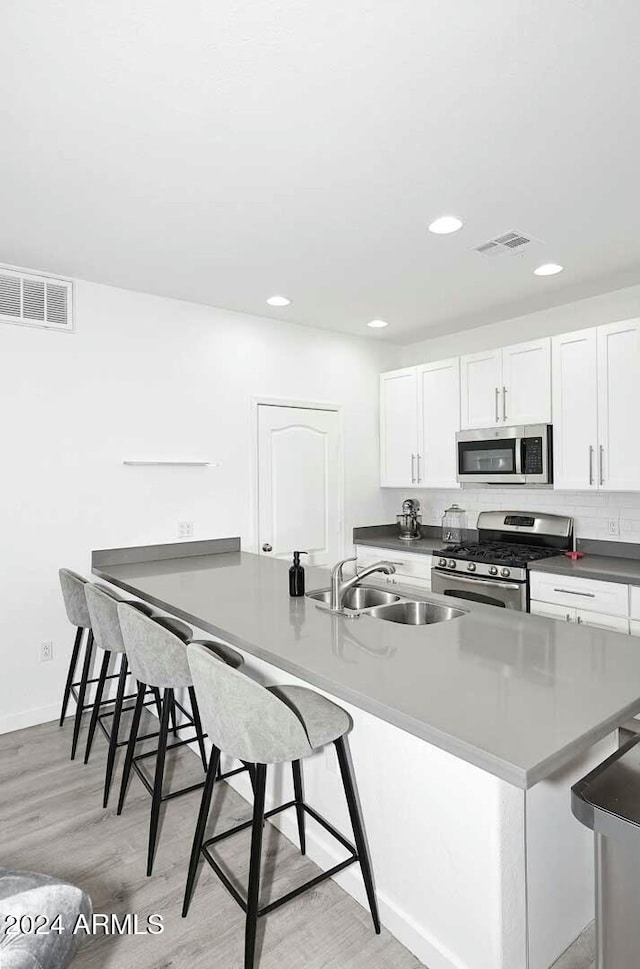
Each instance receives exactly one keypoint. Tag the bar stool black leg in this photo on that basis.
(156, 696)
(71, 673)
(156, 800)
(174, 718)
(198, 838)
(133, 736)
(358, 829)
(253, 893)
(299, 798)
(88, 653)
(198, 725)
(95, 713)
(115, 728)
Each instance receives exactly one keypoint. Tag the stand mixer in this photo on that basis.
(410, 521)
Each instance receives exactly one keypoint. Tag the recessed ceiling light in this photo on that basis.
(278, 301)
(445, 224)
(377, 324)
(548, 269)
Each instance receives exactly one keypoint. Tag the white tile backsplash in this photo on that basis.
(590, 510)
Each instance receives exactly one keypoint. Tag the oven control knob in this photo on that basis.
(442, 563)
(505, 573)
(493, 570)
(471, 567)
(451, 563)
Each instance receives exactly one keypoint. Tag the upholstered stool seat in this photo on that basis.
(158, 659)
(263, 726)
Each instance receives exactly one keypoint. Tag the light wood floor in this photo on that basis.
(51, 820)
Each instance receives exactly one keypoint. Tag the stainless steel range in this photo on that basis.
(495, 569)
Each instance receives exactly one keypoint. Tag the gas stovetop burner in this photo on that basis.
(500, 553)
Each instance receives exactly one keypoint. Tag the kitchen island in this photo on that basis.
(467, 736)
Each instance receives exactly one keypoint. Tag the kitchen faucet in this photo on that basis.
(339, 585)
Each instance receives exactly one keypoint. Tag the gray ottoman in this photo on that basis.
(26, 893)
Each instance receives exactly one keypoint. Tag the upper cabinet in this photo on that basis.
(596, 397)
(439, 400)
(511, 385)
(419, 417)
(399, 428)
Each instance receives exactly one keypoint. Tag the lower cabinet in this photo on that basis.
(411, 568)
(555, 597)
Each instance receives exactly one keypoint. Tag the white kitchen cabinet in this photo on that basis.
(399, 418)
(596, 396)
(419, 417)
(510, 385)
(552, 611)
(616, 624)
(526, 383)
(480, 381)
(439, 403)
(634, 627)
(411, 568)
(608, 598)
(618, 405)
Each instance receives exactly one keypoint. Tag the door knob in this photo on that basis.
(267, 548)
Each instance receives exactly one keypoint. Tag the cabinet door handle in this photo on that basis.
(568, 617)
(497, 405)
(572, 592)
(504, 404)
(413, 473)
(591, 464)
(601, 465)
(418, 467)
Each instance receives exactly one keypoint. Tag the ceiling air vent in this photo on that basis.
(35, 300)
(507, 243)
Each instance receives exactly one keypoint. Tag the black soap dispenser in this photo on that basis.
(296, 576)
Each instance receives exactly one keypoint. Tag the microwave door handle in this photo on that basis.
(519, 444)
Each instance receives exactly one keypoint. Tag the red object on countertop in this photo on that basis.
(574, 556)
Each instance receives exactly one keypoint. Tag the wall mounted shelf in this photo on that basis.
(170, 464)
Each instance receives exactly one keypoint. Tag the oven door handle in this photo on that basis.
(470, 578)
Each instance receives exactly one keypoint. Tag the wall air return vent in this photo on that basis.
(509, 242)
(35, 300)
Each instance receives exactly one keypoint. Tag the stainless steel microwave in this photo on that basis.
(506, 455)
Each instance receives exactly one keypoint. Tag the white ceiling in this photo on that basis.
(225, 151)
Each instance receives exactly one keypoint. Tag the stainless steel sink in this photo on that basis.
(358, 597)
(415, 613)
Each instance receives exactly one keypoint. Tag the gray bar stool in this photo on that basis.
(158, 658)
(263, 726)
(105, 625)
(73, 586)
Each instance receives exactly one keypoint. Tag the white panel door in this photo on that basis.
(300, 483)
(526, 383)
(550, 610)
(575, 410)
(481, 389)
(399, 428)
(615, 624)
(618, 406)
(439, 395)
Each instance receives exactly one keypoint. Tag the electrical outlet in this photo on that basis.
(46, 652)
(185, 529)
(613, 526)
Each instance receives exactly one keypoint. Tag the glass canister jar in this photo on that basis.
(454, 525)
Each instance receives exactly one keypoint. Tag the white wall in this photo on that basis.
(592, 512)
(622, 304)
(146, 377)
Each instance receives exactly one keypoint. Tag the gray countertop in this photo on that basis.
(514, 694)
(423, 546)
(606, 568)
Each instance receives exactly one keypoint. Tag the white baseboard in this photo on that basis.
(29, 718)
